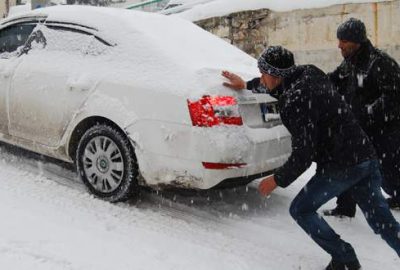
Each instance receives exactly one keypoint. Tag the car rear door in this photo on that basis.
(12, 39)
(55, 77)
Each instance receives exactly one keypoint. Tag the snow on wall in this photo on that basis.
(219, 8)
(309, 33)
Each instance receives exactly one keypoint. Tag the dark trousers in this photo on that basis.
(388, 150)
(363, 182)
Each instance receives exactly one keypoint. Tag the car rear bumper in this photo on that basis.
(174, 155)
(239, 181)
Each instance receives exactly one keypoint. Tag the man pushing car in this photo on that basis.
(325, 131)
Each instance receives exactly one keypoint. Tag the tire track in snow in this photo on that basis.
(36, 258)
(226, 221)
(183, 220)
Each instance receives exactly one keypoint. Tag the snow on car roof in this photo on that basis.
(175, 51)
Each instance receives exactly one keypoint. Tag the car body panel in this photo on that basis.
(140, 77)
(171, 153)
(41, 109)
(7, 68)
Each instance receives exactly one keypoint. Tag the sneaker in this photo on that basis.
(394, 203)
(340, 212)
(335, 265)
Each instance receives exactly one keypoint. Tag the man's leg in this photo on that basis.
(345, 206)
(388, 149)
(394, 192)
(319, 190)
(368, 196)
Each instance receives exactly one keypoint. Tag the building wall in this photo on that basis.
(309, 33)
(4, 5)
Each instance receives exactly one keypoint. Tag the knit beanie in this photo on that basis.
(276, 61)
(352, 30)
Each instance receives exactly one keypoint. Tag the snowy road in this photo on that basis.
(48, 221)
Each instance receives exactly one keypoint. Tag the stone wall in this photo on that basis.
(309, 33)
(4, 5)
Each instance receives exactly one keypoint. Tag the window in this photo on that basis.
(64, 39)
(15, 36)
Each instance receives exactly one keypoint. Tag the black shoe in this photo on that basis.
(394, 203)
(335, 265)
(340, 212)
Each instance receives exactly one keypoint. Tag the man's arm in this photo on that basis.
(302, 130)
(338, 79)
(253, 84)
(386, 77)
(334, 76)
(237, 83)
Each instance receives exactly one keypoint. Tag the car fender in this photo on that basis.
(100, 105)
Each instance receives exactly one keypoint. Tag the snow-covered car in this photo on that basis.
(134, 99)
(176, 6)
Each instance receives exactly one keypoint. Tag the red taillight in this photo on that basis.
(222, 166)
(211, 111)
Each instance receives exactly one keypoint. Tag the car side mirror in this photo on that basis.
(36, 40)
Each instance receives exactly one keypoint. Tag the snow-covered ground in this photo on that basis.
(50, 222)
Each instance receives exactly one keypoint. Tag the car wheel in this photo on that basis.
(107, 164)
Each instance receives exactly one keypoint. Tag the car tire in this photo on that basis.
(107, 164)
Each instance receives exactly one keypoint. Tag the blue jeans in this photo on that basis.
(363, 181)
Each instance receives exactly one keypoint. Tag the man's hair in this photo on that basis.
(352, 30)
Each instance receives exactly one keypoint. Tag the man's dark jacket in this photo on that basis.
(322, 126)
(370, 84)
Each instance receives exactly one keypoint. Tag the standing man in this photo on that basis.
(369, 81)
(323, 130)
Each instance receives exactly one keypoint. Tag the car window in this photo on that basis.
(14, 37)
(55, 38)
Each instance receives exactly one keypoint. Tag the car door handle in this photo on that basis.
(77, 86)
(5, 74)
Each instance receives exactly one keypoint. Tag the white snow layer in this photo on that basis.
(14, 10)
(51, 223)
(224, 7)
(183, 58)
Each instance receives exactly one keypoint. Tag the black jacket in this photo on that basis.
(370, 84)
(255, 86)
(322, 126)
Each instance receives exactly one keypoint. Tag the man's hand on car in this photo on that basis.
(267, 185)
(235, 82)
